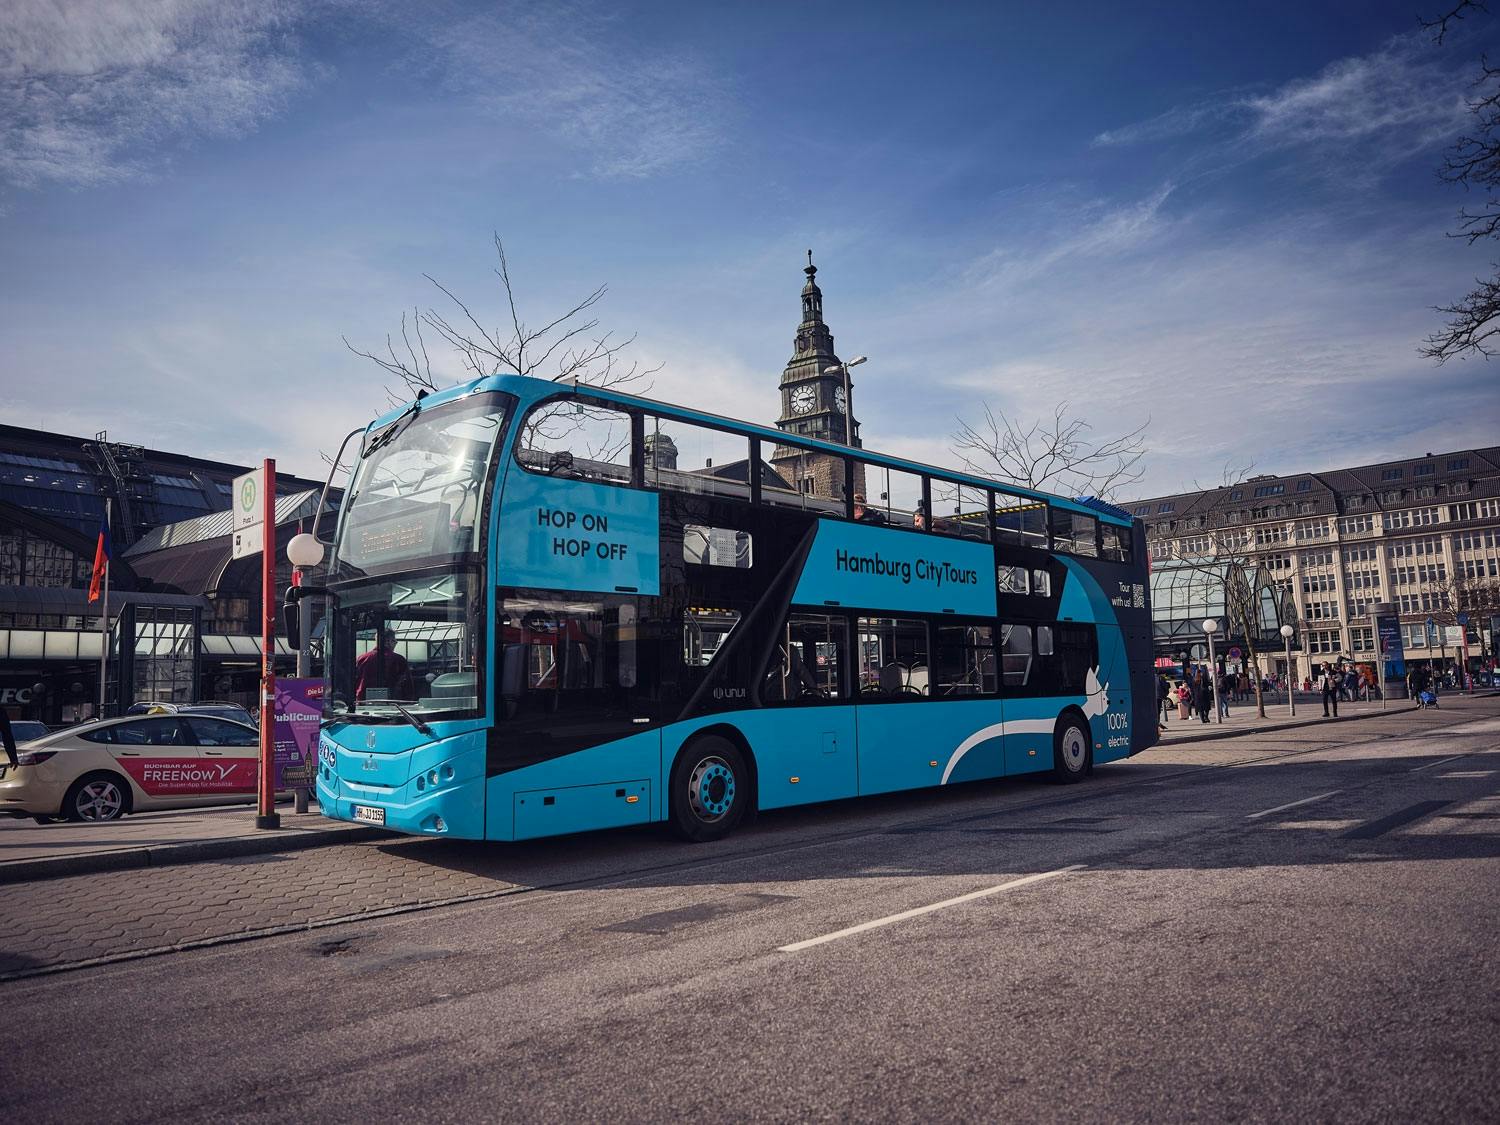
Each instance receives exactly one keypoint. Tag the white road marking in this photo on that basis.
(1444, 762)
(1292, 804)
(1469, 773)
(905, 914)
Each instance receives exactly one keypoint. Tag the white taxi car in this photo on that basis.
(102, 770)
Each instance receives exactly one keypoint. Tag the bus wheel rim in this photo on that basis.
(711, 789)
(1075, 749)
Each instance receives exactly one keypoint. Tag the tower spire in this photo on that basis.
(812, 296)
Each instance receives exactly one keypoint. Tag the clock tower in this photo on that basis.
(812, 402)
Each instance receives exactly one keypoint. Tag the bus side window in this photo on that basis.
(683, 457)
(1020, 520)
(963, 660)
(1015, 655)
(1116, 542)
(893, 661)
(576, 440)
(960, 509)
(808, 660)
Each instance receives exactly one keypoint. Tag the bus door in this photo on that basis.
(809, 753)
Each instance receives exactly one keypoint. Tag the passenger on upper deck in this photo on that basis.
(865, 514)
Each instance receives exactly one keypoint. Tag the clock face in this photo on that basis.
(840, 400)
(803, 400)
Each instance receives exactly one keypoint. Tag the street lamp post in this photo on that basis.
(1286, 635)
(1211, 626)
(304, 552)
(843, 369)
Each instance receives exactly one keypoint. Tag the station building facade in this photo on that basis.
(183, 615)
(1421, 533)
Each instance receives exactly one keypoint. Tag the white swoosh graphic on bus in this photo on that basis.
(1095, 703)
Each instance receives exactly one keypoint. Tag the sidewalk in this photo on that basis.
(37, 851)
(1243, 720)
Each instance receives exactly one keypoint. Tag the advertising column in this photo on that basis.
(1388, 635)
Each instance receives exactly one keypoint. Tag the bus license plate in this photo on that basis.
(369, 814)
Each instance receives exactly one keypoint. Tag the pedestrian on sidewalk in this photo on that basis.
(1224, 682)
(1163, 698)
(1203, 692)
(1330, 687)
(1184, 701)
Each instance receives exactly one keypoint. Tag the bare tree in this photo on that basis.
(1473, 163)
(566, 348)
(1058, 454)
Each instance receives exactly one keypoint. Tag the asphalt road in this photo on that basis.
(1295, 926)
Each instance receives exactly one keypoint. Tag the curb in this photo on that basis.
(1215, 735)
(166, 855)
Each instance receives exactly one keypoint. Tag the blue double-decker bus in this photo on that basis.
(554, 608)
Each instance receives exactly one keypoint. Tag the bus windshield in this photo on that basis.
(412, 643)
(419, 488)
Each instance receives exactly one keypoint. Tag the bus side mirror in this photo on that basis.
(291, 620)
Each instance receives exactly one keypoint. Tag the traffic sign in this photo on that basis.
(1235, 653)
(1463, 617)
(249, 541)
(247, 498)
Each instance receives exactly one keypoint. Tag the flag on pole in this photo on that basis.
(101, 560)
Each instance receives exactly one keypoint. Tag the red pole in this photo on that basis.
(266, 815)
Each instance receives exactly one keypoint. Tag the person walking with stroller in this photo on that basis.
(1329, 683)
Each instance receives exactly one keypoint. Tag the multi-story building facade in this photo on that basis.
(1422, 534)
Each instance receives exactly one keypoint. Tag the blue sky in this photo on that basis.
(1221, 217)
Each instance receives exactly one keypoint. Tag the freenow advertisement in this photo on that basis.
(190, 776)
(858, 565)
(577, 535)
(299, 709)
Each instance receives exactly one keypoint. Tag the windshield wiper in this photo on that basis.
(387, 435)
(412, 719)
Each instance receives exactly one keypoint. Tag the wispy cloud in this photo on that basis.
(83, 84)
(573, 72)
(1387, 105)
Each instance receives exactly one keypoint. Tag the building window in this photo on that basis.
(1423, 470)
(1458, 463)
(1312, 529)
(1163, 509)
(1391, 474)
(1270, 490)
(1391, 497)
(1411, 517)
(1237, 494)
(1304, 486)
(1355, 525)
(1459, 487)
(1426, 492)
(1354, 501)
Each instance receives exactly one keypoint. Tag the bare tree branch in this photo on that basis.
(1056, 455)
(1441, 25)
(1472, 163)
(481, 352)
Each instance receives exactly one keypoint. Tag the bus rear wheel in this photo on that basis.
(1072, 755)
(709, 789)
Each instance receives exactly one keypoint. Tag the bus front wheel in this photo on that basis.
(710, 789)
(1071, 753)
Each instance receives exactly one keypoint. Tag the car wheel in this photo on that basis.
(96, 798)
(709, 789)
(1072, 754)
